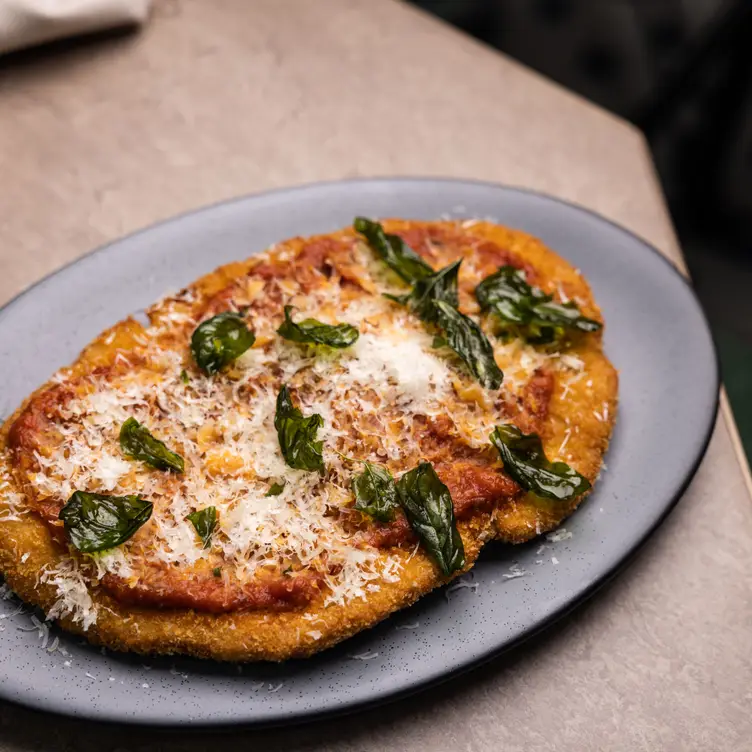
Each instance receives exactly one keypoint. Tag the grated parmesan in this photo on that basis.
(460, 584)
(73, 597)
(367, 656)
(515, 571)
(559, 535)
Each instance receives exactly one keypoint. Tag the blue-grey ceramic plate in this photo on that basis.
(656, 336)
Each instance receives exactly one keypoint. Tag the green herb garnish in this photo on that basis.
(429, 510)
(440, 286)
(217, 571)
(435, 300)
(297, 434)
(525, 462)
(467, 339)
(95, 522)
(275, 489)
(526, 311)
(317, 333)
(219, 340)
(375, 492)
(137, 443)
(184, 377)
(393, 251)
(204, 520)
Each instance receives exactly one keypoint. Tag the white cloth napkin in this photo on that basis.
(24, 23)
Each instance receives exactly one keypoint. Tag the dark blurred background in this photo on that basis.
(681, 70)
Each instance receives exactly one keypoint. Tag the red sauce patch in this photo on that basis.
(536, 399)
(423, 241)
(491, 256)
(476, 487)
(35, 424)
(386, 535)
(320, 257)
(173, 588)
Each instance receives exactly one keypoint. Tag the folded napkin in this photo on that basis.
(24, 23)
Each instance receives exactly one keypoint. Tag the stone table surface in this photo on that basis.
(217, 99)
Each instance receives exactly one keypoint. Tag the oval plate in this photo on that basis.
(656, 335)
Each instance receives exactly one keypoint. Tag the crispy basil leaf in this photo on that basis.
(375, 492)
(429, 510)
(526, 463)
(137, 443)
(95, 522)
(204, 520)
(317, 333)
(297, 435)
(220, 340)
(528, 311)
(393, 250)
(466, 338)
(275, 489)
(551, 321)
(434, 299)
(508, 294)
(441, 286)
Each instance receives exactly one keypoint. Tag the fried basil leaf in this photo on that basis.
(317, 333)
(525, 462)
(204, 520)
(429, 510)
(220, 340)
(466, 338)
(551, 321)
(508, 294)
(526, 310)
(441, 286)
(95, 522)
(434, 299)
(375, 492)
(297, 435)
(393, 251)
(137, 443)
(275, 489)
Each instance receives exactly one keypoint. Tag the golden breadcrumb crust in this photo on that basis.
(270, 635)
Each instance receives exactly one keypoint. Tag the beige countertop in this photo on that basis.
(217, 99)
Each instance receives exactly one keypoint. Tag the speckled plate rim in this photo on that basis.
(397, 193)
